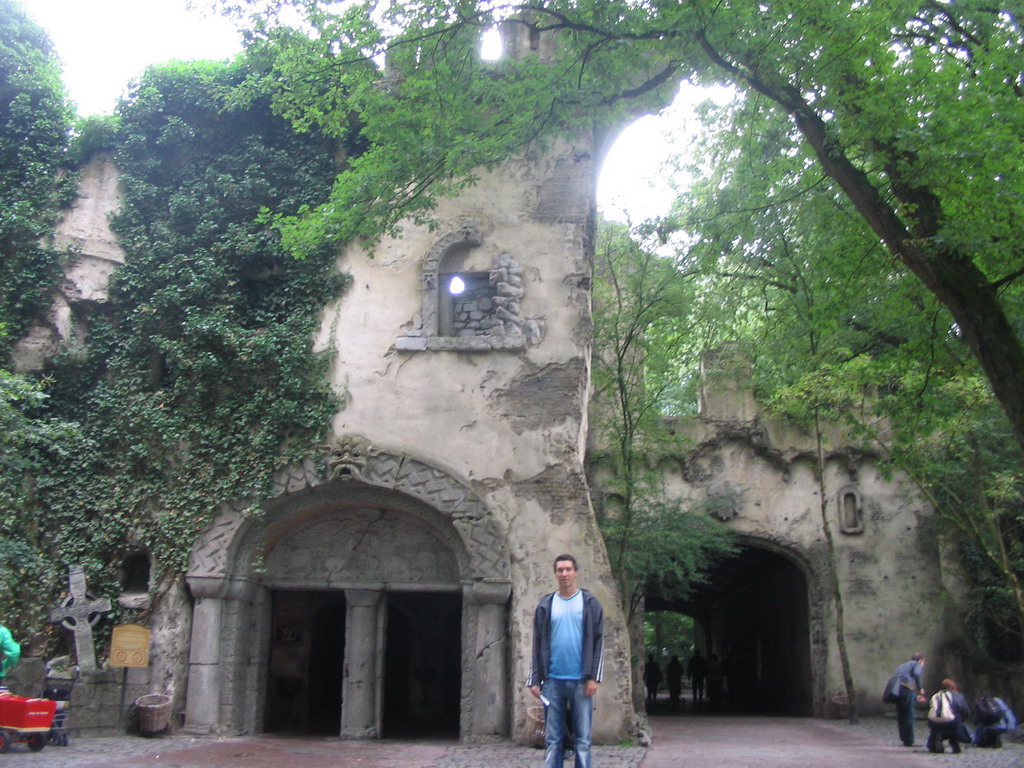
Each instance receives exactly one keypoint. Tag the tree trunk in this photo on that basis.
(833, 573)
(951, 276)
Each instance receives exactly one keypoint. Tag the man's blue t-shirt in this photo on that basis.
(567, 637)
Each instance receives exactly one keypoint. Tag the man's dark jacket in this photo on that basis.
(593, 639)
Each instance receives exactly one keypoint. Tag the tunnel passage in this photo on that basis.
(753, 612)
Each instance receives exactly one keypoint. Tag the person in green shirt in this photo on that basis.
(10, 651)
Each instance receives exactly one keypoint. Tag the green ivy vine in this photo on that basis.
(35, 120)
(199, 379)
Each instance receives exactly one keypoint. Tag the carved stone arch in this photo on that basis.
(225, 550)
(234, 567)
(813, 568)
(785, 549)
(763, 607)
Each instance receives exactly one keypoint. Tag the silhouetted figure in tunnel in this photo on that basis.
(697, 669)
(652, 678)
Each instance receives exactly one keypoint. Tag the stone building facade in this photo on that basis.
(393, 592)
(456, 472)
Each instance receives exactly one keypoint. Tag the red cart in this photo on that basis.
(25, 720)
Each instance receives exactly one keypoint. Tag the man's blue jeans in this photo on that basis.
(905, 712)
(566, 695)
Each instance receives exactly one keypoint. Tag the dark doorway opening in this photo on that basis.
(307, 654)
(423, 665)
(754, 615)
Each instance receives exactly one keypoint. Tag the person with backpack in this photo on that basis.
(911, 691)
(992, 717)
(948, 712)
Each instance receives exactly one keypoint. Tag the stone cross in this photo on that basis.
(79, 613)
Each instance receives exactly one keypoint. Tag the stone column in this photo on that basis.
(490, 712)
(364, 655)
(202, 703)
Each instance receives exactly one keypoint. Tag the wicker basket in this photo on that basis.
(840, 706)
(154, 712)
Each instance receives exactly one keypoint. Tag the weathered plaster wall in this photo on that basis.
(890, 572)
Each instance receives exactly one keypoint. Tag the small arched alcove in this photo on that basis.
(135, 573)
(466, 295)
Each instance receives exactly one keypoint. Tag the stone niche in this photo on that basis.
(469, 305)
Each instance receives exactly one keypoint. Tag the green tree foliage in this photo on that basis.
(883, 99)
(431, 114)
(963, 455)
(199, 379)
(35, 118)
(672, 631)
(839, 333)
(654, 542)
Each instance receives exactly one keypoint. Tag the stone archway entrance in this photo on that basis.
(337, 610)
(755, 614)
(390, 564)
(421, 675)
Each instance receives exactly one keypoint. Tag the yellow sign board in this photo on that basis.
(129, 646)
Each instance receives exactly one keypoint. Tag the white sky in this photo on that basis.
(104, 44)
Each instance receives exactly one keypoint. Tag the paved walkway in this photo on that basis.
(700, 741)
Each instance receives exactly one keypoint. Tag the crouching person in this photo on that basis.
(948, 712)
(993, 717)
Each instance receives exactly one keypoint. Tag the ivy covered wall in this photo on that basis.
(198, 378)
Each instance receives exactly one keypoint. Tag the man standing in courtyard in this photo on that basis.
(911, 692)
(567, 663)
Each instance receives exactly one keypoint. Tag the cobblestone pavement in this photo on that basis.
(702, 741)
(782, 742)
